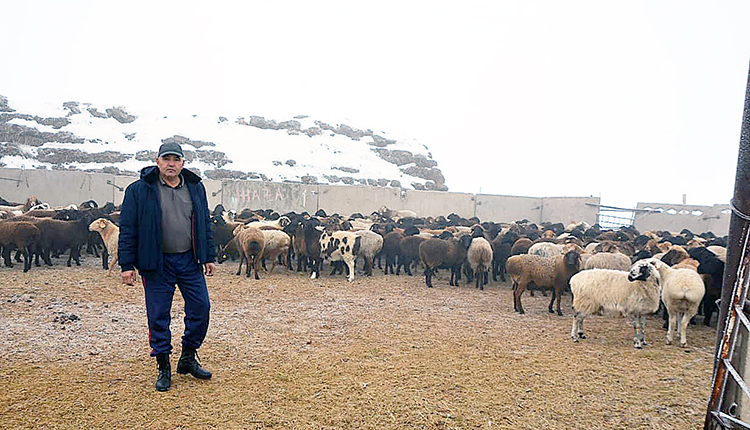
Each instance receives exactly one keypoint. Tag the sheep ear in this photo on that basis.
(319, 228)
(102, 224)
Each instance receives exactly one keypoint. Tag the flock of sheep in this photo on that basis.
(612, 271)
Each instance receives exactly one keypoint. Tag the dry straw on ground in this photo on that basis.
(378, 353)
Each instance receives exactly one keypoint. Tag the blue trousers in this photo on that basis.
(182, 270)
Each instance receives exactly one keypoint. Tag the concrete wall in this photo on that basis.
(55, 187)
(698, 219)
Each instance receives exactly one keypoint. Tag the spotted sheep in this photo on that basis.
(341, 246)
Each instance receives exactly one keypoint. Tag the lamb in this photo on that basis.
(110, 234)
(543, 272)
(370, 245)
(252, 243)
(608, 260)
(479, 256)
(634, 293)
(682, 292)
(276, 243)
(21, 234)
(447, 253)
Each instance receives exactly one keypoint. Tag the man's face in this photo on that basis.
(170, 166)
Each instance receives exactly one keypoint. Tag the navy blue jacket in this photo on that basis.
(140, 244)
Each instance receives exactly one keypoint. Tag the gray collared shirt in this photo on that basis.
(176, 211)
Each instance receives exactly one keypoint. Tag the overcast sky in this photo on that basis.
(627, 100)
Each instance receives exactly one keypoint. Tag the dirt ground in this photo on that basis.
(293, 353)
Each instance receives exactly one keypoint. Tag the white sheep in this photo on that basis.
(370, 245)
(682, 292)
(110, 234)
(479, 257)
(608, 260)
(546, 249)
(634, 293)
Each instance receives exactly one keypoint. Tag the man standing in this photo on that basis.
(165, 233)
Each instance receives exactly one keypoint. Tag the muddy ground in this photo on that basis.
(378, 353)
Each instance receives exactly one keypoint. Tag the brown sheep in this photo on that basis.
(544, 273)
(252, 242)
(391, 249)
(409, 253)
(110, 234)
(446, 253)
(521, 246)
(276, 243)
(20, 234)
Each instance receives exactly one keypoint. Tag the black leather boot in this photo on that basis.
(189, 364)
(165, 373)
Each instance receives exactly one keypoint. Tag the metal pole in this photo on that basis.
(737, 229)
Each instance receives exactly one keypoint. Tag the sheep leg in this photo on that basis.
(26, 259)
(517, 298)
(683, 329)
(46, 257)
(105, 258)
(315, 267)
(272, 266)
(350, 266)
(427, 277)
(18, 255)
(577, 331)
(7, 257)
(708, 309)
(255, 266)
(636, 338)
(672, 326)
(494, 270)
(242, 258)
(557, 292)
(112, 265)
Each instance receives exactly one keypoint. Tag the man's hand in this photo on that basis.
(210, 269)
(128, 277)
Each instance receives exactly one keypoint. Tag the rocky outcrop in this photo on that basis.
(4, 107)
(401, 157)
(434, 175)
(67, 156)
(120, 115)
(220, 174)
(56, 123)
(23, 135)
(346, 169)
(182, 140)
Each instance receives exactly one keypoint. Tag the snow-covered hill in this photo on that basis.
(81, 136)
